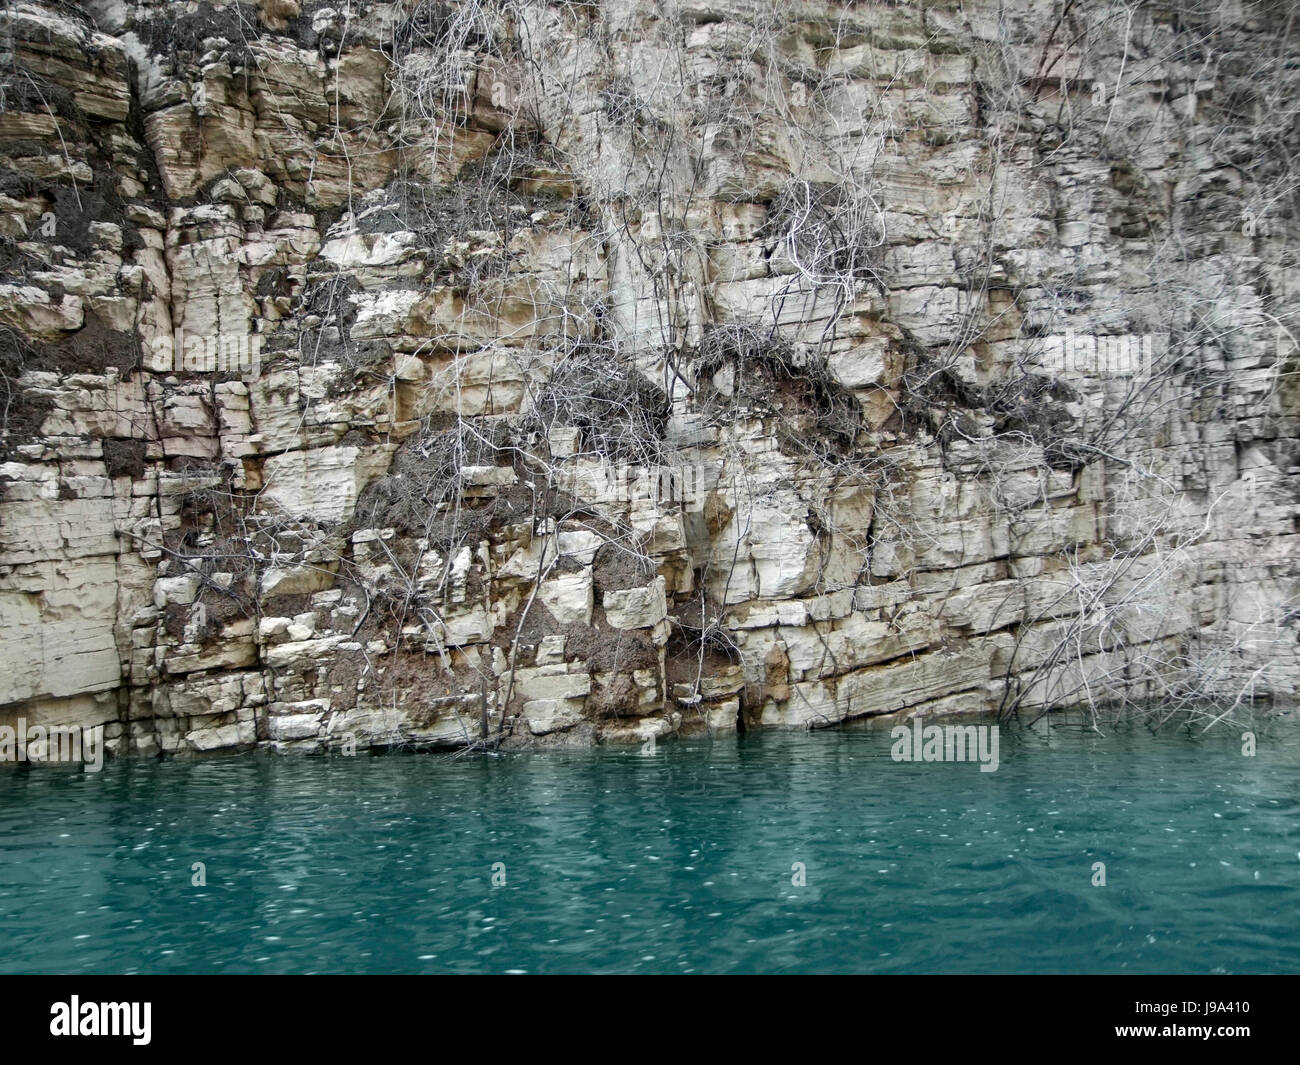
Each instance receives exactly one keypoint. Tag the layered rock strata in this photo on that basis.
(380, 374)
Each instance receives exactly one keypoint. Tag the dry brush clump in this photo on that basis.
(427, 479)
(745, 370)
(833, 234)
(619, 414)
(435, 52)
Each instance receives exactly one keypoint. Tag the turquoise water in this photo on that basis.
(676, 862)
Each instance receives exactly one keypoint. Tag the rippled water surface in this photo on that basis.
(677, 862)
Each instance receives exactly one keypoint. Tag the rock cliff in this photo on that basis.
(525, 372)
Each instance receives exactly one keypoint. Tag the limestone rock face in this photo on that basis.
(375, 375)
